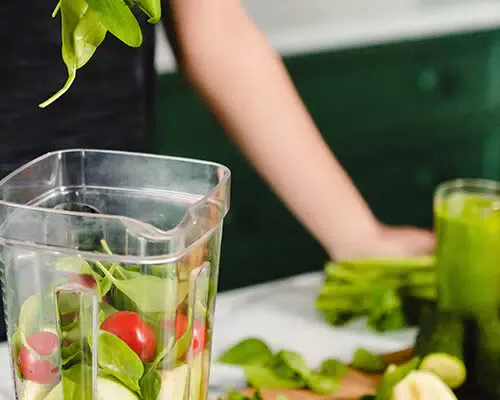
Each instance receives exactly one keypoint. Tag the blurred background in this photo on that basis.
(406, 92)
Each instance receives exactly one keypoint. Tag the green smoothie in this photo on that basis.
(467, 226)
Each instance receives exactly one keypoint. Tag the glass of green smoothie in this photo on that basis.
(467, 223)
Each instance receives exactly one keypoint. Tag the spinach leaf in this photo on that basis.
(149, 293)
(56, 9)
(262, 377)
(247, 352)
(117, 17)
(152, 8)
(77, 382)
(116, 358)
(257, 395)
(150, 385)
(126, 273)
(71, 12)
(71, 353)
(333, 368)
(322, 384)
(106, 283)
(367, 361)
(151, 376)
(295, 363)
(77, 266)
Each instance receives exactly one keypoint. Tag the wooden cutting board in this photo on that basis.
(354, 384)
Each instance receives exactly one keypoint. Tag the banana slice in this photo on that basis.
(422, 385)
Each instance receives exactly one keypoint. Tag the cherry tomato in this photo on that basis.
(199, 338)
(132, 329)
(31, 367)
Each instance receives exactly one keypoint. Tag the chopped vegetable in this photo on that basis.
(367, 361)
(422, 385)
(449, 369)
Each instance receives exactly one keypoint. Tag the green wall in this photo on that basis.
(400, 117)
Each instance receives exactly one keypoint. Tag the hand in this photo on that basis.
(389, 241)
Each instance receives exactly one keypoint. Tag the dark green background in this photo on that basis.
(400, 117)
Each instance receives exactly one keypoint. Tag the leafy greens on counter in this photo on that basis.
(389, 293)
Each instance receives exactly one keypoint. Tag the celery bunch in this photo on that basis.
(384, 291)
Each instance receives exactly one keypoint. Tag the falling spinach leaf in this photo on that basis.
(89, 34)
(116, 358)
(71, 12)
(152, 8)
(247, 352)
(118, 19)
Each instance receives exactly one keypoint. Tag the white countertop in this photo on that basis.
(282, 314)
(298, 26)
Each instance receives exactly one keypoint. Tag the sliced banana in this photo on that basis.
(173, 383)
(422, 385)
(35, 391)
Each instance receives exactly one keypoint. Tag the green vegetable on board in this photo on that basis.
(388, 292)
(247, 352)
(282, 370)
(367, 361)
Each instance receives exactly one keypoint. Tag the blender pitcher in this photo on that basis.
(110, 267)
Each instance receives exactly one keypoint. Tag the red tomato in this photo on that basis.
(199, 338)
(34, 369)
(131, 328)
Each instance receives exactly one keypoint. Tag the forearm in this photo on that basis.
(246, 85)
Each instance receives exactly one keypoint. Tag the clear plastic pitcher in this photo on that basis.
(110, 267)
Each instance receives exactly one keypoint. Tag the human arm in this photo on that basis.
(243, 80)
